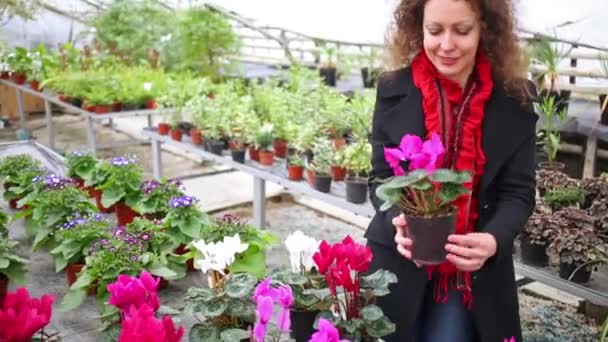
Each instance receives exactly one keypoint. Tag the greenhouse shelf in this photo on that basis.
(596, 292)
(90, 118)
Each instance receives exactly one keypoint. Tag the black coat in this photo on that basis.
(506, 200)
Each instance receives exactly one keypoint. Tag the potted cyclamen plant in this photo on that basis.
(80, 167)
(358, 156)
(185, 220)
(425, 195)
(24, 318)
(321, 165)
(264, 139)
(74, 238)
(266, 298)
(121, 187)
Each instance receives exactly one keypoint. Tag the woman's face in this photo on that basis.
(451, 37)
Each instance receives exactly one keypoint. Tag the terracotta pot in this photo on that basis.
(3, 288)
(280, 148)
(163, 128)
(12, 204)
(124, 214)
(35, 85)
(117, 107)
(254, 154)
(181, 250)
(102, 109)
(150, 104)
(176, 134)
(18, 78)
(338, 173)
(97, 195)
(339, 142)
(267, 158)
(72, 271)
(89, 108)
(295, 173)
(5, 75)
(196, 136)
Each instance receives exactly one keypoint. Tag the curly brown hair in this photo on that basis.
(498, 41)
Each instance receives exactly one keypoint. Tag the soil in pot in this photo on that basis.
(280, 148)
(329, 76)
(238, 156)
(322, 182)
(163, 128)
(254, 153)
(356, 190)
(267, 158)
(295, 172)
(582, 276)
(216, 147)
(429, 237)
(196, 136)
(97, 195)
(3, 288)
(533, 254)
(124, 214)
(176, 134)
(302, 325)
(604, 117)
(338, 173)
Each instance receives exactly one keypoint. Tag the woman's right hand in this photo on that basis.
(404, 244)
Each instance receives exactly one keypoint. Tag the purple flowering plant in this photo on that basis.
(185, 221)
(156, 197)
(120, 179)
(76, 236)
(420, 187)
(25, 186)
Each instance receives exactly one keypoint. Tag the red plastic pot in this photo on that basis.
(79, 181)
(311, 177)
(5, 75)
(117, 107)
(254, 154)
(64, 98)
(18, 78)
(72, 271)
(163, 128)
(101, 109)
(295, 173)
(124, 214)
(196, 136)
(35, 85)
(97, 195)
(151, 104)
(338, 173)
(3, 288)
(267, 158)
(181, 250)
(89, 108)
(176, 134)
(280, 148)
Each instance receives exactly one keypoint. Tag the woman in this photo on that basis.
(461, 77)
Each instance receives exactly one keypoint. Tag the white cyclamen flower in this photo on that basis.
(301, 249)
(218, 256)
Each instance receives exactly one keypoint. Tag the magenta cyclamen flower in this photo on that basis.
(265, 296)
(327, 333)
(512, 339)
(142, 325)
(420, 155)
(129, 292)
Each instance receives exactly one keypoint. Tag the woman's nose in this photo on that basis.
(447, 41)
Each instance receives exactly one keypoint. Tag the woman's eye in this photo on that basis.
(463, 32)
(434, 32)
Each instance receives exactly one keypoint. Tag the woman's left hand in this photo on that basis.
(469, 252)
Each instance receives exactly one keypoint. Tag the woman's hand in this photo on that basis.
(469, 252)
(404, 244)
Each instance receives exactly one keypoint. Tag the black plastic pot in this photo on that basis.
(322, 182)
(76, 102)
(369, 79)
(216, 147)
(356, 190)
(430, 236)
(533, 254)
(302, 325)
(555, 166)
(581, 276)
(238, 156)
(309, 155)
(329, 76)
(604, 117)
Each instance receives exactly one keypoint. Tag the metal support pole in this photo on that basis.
(91, 135)
(590, 155)
(149, 120)
(49, 124)
(156, 159)
(22, 119)
(259, 202)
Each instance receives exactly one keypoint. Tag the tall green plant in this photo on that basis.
(548, 109)
(549, 55)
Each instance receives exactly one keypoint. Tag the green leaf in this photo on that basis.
(380, 328)
(204, 333)
(371, 313)
(72, 299)
(165, 310)
(191, 227)
(213, 308)
(83, 281)
(240, 284)
(112, 333)
(4, 262)
(111, 195)
(60, 262)
(161, 271)
(379, 282)
(321, 294)
(41, 236)
(232, 335)
(450, 192)
(292, 278)
(252, 261)
(15, 272)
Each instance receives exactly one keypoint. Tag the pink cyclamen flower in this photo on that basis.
(263, 312)
(512, 339)
(327, 332)
(127, 292)
(420, 155)
(22, 316)
(285, 300)
(143, 326)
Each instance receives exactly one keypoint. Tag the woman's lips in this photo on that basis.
(448, 60)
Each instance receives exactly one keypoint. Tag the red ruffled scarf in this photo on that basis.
(464, 149)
